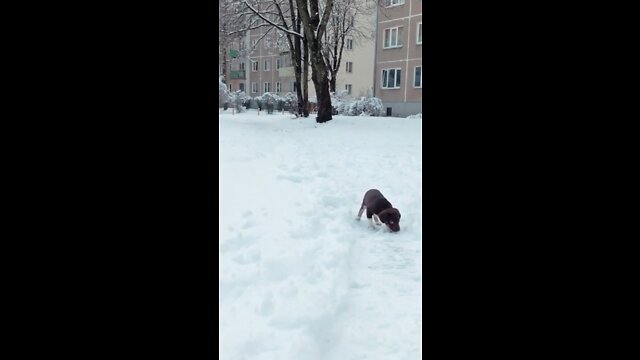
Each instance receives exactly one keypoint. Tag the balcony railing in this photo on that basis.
(238, 74)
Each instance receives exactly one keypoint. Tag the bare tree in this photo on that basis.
(280, 23)
(345, 23)
(304, 23)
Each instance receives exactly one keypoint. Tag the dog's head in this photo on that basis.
(391, 217)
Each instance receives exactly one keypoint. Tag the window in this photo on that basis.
(242, 45)
(266, 86)
(242, 66)
(254, 66)
(391, 78)
(391, 3)
(349, 44)
(349, 66)
(267, 65)
(241, 86)
(419, 34)
(417, 77)
(278, 87)
(392, 37)
(292, 86)
(253, 43)
(254, 87)
(348, 88)
(230, 89)
(278, 64)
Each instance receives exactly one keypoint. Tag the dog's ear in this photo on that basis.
(384, 216)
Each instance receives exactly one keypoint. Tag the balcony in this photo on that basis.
(238, 74)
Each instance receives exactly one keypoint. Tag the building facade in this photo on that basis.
(398, 57)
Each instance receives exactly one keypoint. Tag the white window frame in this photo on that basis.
(395, 78)
(267, 65)
(229, 87)
(349, 88)
(266, 87)
(349, 66)
(390, 3)
(243, 66)
(278, 63)
(278, 87)
(414, 76)
(418, 28)
(242, 87)
(349, 41)
(398, 37)
(254, 68)
(254, 87)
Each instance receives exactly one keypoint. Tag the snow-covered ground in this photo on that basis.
(300, 278)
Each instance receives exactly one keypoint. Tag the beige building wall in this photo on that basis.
(362, 56)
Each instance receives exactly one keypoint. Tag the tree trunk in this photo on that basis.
(314, 28)
(305, 77)
(321, 83)
(332, 83)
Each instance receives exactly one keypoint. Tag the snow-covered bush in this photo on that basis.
(367, 106)
(269, 101)
(223, 93)
(290, 101)
(416, 116)
(371, 106)
(340, 103)
(238, 99)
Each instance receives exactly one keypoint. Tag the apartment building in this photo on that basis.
(257, 64)
(398, 57)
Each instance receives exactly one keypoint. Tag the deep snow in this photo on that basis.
(300, 278)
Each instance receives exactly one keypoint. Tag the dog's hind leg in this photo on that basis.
(362, 209)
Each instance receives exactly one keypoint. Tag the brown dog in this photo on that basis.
(380, 209)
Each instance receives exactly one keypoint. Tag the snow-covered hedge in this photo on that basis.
(271, 101)
(365, 106)
(416, 116)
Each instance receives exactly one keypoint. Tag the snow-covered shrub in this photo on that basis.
(247, 101)
(290, 101)
(223, 93)
(371, 106)
(366, 106)
(416, 116)
(339, 102)
(238, 99)
(269, 101)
